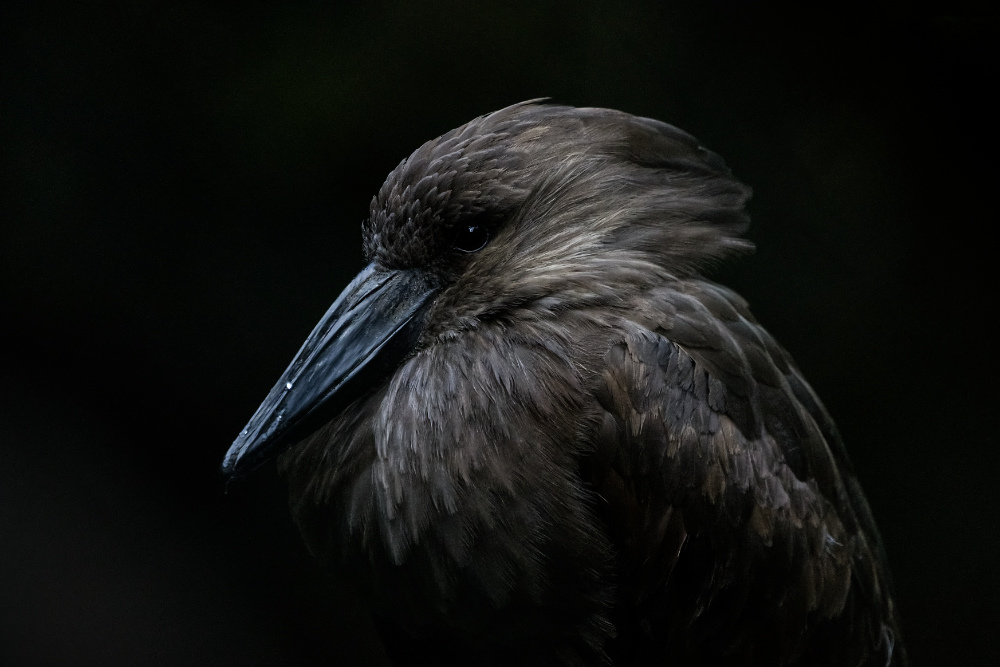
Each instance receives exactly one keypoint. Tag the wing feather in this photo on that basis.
(730, 495)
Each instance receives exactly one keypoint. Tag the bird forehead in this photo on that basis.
(462, 177)
(478, 173)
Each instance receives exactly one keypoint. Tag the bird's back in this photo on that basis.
(738, 521)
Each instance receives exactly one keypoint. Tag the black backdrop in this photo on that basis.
(183, 186)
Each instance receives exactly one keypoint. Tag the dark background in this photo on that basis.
(183, 185)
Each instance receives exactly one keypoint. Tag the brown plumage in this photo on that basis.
(534, 434)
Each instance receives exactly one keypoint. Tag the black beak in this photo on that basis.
(370, 328)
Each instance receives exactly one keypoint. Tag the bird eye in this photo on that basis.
(471, 238)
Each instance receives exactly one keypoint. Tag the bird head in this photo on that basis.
(529, 211)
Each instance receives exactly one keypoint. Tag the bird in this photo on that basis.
(531, 431)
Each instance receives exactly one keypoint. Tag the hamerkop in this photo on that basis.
(533, 433)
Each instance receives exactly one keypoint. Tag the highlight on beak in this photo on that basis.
(366, 333)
